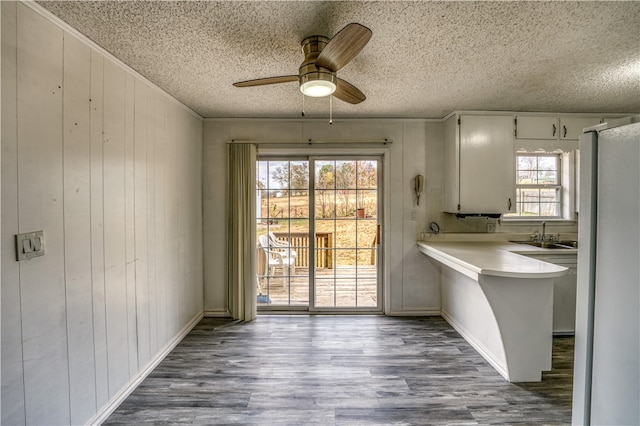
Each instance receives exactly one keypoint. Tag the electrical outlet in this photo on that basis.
(29, 245)
(414, 215)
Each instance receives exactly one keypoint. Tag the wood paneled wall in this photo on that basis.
(110, 168)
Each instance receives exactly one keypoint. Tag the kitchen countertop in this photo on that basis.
(493, 258)
(505, 309)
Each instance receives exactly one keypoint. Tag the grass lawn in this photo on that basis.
(353, 237)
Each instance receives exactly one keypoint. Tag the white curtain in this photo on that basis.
(241, 230)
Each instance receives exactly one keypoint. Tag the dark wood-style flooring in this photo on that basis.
(341, 370)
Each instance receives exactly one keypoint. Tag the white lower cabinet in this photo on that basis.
(479, 164)
(564, 291)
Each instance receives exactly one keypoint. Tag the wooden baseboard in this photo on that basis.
(217, 314)
(104, 412)
(432, 312)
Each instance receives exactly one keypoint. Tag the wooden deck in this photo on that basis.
(337, 287)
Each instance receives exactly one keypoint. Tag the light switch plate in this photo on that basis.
(29, 245)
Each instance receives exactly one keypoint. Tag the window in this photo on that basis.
(538, 186)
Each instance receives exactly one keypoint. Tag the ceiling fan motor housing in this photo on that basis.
(311, 47)
(323, 58)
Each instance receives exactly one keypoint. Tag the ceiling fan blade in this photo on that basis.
(343, 47)
(268, 80)
(347, 92)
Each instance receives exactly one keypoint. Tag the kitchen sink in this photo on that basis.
(570, 244)
(560, 245)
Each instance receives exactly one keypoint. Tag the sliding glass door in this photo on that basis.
(346, 211)
(282, 228)
(318, 245)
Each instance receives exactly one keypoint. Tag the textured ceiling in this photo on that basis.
(425, 59)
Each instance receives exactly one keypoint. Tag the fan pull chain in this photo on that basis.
(330, 110)
(303, 104)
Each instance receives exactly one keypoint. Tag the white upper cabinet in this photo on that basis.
(571, 127)
(537, 127)
(552, 127)
(479, 164)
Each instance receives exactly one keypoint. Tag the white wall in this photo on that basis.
(110, 168)
(412, 282)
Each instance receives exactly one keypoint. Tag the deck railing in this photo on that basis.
(299, 241)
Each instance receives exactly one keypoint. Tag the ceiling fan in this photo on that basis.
(323, 57)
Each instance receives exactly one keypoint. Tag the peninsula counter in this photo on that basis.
(500, 302)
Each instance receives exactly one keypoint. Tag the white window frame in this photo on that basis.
(558, 186)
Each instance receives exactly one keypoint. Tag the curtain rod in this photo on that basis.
(313, 142)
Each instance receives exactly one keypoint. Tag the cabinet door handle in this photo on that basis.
(554, 130)
(509, 204)
(564, 131)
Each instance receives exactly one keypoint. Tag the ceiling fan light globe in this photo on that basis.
(318, 88)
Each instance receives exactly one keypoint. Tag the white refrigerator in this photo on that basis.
(607, 344)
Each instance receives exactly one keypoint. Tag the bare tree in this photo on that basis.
(299, 182)
(367, 183)
(325, 185)
(345, 188)
(293, 177)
